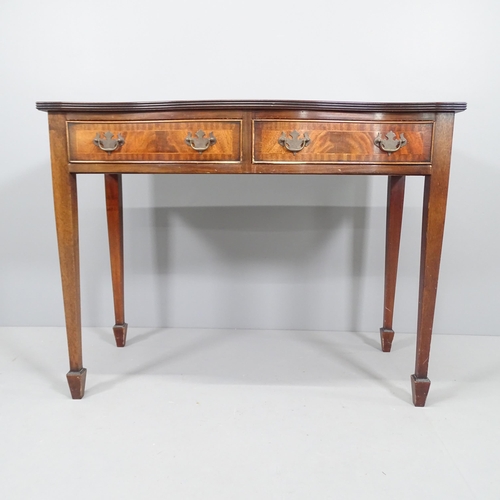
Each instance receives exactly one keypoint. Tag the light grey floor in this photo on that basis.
(219, 414)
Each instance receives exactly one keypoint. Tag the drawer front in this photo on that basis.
(168, 141)
(307, 141)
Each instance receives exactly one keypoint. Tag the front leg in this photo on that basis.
(66, 213)
(432, 238)
(434, 211)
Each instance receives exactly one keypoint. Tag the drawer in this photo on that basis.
(166, 141)
(309, 141)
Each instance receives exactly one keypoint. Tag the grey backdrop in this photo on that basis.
(250, 252)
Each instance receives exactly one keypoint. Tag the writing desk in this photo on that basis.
(252, 137)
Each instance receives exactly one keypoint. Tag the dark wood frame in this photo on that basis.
(64, 174)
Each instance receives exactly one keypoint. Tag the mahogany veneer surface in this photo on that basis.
(155, 141)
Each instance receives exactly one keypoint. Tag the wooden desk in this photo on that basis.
(252, 137)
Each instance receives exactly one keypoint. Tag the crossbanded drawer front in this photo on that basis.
(308, 141)
(168, 141)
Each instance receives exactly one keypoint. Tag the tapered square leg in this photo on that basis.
(386, 338)
(420, 389)
(114, 209)
(66, 213)
(434, 210)
(120, 332)
(76, 382)
(394, 218)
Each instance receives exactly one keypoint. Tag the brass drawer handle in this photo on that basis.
(295, 143)
(107, 143)
(200, 143)
(390, 144)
